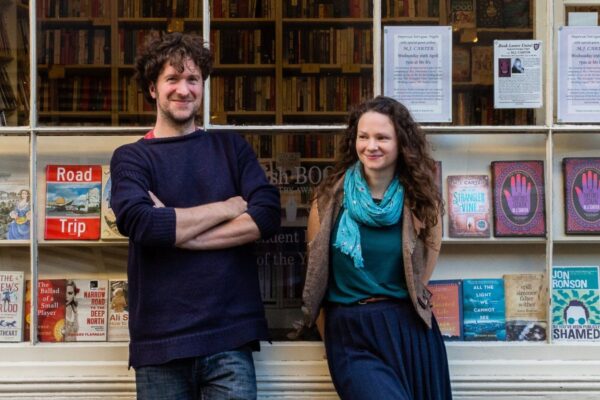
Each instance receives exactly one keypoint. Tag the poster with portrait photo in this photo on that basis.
(518, 74)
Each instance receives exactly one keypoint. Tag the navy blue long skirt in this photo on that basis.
(385, 351)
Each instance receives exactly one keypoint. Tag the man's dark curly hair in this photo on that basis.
(415, 168)
(173, 48)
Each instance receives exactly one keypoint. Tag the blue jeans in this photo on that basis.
(226, 375)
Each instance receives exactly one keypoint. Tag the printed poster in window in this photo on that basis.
(418, 70)
(578, 78)
(518, 74)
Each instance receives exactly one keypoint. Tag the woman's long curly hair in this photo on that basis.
(415, 168)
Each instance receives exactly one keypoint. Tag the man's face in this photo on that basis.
(178, 94)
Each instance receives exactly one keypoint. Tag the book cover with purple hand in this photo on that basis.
(582, 195)
(519, 203)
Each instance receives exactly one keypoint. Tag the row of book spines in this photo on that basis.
(335, 8)
(329, 46)
(131, 98)
(261, 144)
(67, 46)
(243, 8)
(159, 9)
(287, 280)
(8, 101)
(478, 109)
(309, 146)
(490, 13)
(79, 93)
(5, 44)
(255, 46)
(74, 8)
(315, 93)
(410, 8)
(243, 93)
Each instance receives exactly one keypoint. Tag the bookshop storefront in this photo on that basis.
(508, 92)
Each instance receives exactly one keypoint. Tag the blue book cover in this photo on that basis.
(575, 304)
(483, 309)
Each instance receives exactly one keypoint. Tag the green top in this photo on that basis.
(383, 273)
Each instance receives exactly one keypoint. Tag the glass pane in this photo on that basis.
(295, 163)
(476, 24)
(14, 63)
(243, 84)
(327, 60)
(86, 55)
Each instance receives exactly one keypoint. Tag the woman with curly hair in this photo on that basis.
(374, 235)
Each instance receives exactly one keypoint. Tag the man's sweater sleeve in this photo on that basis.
(263, 198)
(135, 213)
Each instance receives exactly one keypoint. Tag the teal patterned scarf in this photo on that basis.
(359, 207)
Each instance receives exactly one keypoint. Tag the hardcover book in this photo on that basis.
(482, 65)
(461, 64)
(462, 13)
(86, 310)
(575, 304)
(108, 220)
(447, 304)
(118, 312)
(12, 290)
(51, 310)
(73, 202)
(15, 211)
(490, 13)
(582, 195)
(519, 204)
(483, 309)
(469, 206)
(526, 307)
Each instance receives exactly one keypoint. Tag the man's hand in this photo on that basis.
(155, 200)
(236, 205)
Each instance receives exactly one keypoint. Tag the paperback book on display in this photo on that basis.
(51, 310)
(469, 206)
(526, 307)
(15, 211)
(73, 202)
(447, 304)
(582, 195)
(12, 290)
(483, 309)
(575, 304)
(108, 221)
(519, 208)
(118, 312)
(86, 313)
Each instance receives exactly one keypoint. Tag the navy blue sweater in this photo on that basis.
(185, 303)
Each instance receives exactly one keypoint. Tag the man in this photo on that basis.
(190, 202)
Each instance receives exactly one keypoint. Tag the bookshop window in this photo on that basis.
(85, 58)
(14, 63)
(295, 162)
(477, 24)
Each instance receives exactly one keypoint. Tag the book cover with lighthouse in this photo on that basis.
(73, 202)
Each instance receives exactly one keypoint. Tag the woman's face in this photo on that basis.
(376, 144)
(70, 294)
(24, 194)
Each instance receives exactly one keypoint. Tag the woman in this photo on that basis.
(18, 229)
(374, 235)
(71, 323)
